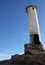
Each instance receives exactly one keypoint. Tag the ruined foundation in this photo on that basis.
(34, 54)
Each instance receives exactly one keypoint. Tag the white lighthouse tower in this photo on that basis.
(34, 31)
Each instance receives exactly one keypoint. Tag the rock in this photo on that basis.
(41, 59)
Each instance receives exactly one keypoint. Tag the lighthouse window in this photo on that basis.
(33, 8)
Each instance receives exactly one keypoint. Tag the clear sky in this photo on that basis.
(14, 25)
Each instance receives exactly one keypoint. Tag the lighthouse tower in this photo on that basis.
(33, 24)
(34, 30)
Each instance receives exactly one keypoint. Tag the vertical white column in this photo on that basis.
(33, 20)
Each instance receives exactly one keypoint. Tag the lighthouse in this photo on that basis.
(34, 30)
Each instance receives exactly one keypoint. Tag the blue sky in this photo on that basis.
(14, 25)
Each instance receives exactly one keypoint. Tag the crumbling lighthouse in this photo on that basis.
(34, 30)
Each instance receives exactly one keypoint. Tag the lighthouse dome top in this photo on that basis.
(33, 7)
